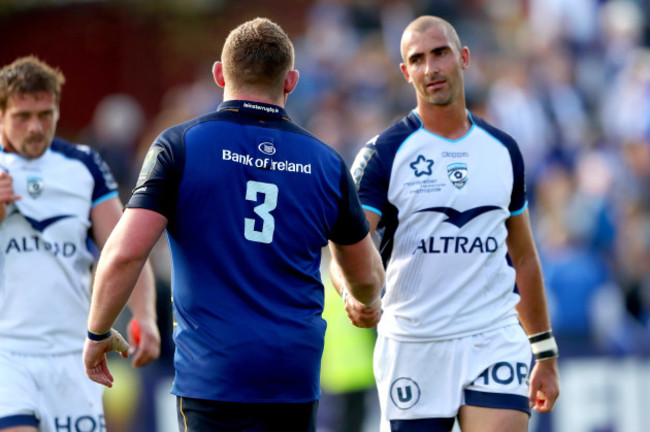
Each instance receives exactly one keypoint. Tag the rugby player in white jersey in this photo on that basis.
(55, 197)
(464, 310)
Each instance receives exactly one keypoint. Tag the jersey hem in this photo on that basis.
(410, 337)
(246, 400)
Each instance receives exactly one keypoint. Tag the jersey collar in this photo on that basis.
(258, 109)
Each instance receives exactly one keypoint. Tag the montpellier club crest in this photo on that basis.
(35, 186)
(457, 173)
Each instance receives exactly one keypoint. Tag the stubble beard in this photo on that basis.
(33, 146)
(437, 97)
(441, 98)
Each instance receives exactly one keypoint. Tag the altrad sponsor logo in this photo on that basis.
(449, 244)
(35, 243)
(29, 244)
(458, 244)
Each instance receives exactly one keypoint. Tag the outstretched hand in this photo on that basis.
(94, 357)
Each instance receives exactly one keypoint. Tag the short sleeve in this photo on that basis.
(351, 224)
(159, 179)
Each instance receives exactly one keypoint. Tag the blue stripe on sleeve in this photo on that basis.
(104, 198)
(372, 209)
(520, 211)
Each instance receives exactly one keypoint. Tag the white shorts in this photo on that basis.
(50, 392)
(425, 383)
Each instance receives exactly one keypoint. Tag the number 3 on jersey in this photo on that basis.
(263, 210)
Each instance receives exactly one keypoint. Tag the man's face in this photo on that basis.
(434, 65)
(28, 124)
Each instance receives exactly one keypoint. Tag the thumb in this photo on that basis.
(116, 342)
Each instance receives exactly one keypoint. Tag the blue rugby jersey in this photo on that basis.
(443, 206)
(251, 200)
(45, 261)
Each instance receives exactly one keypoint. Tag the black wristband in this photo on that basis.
(540, 336)
(543, 345)
(98, 337)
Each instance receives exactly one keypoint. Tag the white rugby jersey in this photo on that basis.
(443, 206)
(45, 254)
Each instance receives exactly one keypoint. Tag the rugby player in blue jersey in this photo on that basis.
(465, 307)
(248, 200)
(55, 196)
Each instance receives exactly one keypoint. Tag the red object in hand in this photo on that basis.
(134, 329)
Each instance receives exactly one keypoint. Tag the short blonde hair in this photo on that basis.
(257, 53)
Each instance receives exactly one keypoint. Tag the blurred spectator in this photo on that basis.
(573, 270)
(568, 23)
(621, 22)
(117, 123)
(514, 107)
(569, 129)
(625, 110)
(395, 16)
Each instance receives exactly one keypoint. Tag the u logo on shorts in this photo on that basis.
(405, 393)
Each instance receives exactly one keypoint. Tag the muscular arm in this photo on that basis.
(360, 270)
(142, 298)
(533, 310)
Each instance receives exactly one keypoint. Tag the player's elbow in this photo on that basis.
(121, 258)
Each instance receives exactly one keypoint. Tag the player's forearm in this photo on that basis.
(368, 289)
(358, 269)
(142, 301)
(335, 275)
(533, 310)
(114, 282)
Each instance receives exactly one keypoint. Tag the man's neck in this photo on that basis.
(254, 97)
(449, 121)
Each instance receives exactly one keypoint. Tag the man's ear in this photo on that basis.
(405, 72)
(290, 81)
(217, 73)
(464, 58)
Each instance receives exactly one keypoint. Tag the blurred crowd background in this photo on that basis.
(568, 79)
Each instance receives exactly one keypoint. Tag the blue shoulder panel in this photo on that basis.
(105, 184)
(518, 200)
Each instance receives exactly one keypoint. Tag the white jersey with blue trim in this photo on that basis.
(45, 259)
(443, 206)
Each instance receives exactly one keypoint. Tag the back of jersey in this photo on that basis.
(251, 201)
